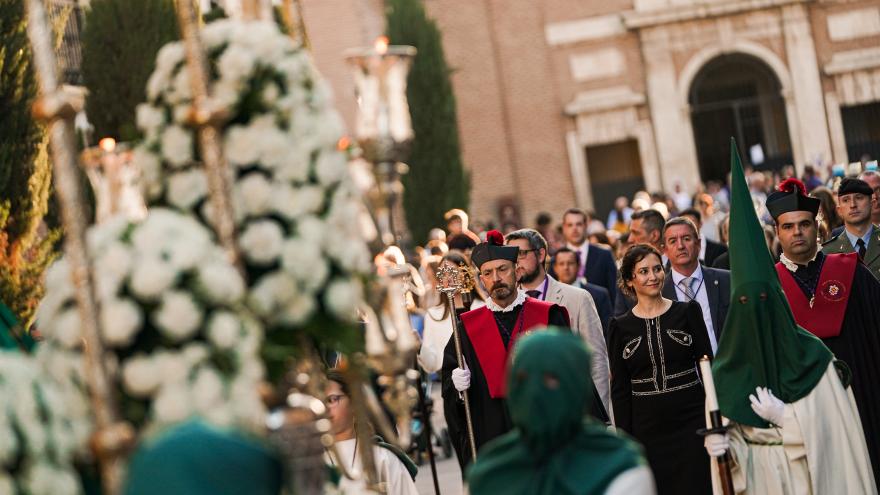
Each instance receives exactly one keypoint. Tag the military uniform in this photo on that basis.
(841, 244)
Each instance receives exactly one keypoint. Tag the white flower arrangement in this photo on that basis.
(295, 206)
(37, 441)
(179, 339)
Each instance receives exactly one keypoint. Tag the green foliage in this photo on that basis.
(25, 173)
(120, 43)
(437, 180)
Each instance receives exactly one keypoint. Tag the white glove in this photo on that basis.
(716, 444)
(767, 406)
(461, 378)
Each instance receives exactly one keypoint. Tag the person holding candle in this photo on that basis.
(656, 392)
(793, 425)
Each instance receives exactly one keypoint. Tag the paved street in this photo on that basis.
(448, 473)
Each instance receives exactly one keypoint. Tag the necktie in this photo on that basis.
(533, 293)
(860, 247)
(686, 285)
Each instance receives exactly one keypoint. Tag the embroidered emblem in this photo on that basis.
(630, 348)
(680, 336)
(833, 290)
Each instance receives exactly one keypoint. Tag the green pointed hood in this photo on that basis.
(761, 344)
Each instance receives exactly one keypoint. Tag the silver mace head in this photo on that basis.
(450, 279)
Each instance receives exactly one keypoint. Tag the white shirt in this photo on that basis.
(702, 297)
(702, 255)
(436, 336)
(390, 469)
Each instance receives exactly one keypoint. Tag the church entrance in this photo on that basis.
(740, 96)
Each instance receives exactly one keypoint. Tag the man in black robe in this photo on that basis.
(487, 335)
(835, 297)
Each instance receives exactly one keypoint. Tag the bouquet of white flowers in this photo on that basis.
(38, 442)
(179, 340)
(296, 210)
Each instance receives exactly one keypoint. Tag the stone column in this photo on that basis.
(676, 152)
(835, 128)
(806, 85)
(580, 175)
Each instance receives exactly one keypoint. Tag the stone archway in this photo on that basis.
(739, 95)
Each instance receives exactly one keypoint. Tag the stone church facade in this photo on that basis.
(573, 102)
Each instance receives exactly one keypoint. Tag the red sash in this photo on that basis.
(825, 316)
(482, 330)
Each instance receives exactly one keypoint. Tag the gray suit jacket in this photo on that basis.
(585, 322)
(841, 244)
(717, 284)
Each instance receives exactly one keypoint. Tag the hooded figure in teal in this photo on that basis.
(555, 447)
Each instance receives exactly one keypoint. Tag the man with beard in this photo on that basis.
(533, 278)
(855, 200)
(833, 296)
(488, 334)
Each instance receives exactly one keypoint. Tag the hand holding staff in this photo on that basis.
(714, 426)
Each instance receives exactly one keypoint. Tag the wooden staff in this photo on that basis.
(111, 436)
(209, 133)
(715, 425)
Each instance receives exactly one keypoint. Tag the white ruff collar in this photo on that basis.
(791, 265)
(520, 298)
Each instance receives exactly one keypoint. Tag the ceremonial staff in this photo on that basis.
(714, 425)
(111, 436)
(451, 281)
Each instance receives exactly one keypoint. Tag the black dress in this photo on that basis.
(657, 393)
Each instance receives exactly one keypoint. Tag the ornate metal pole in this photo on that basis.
(208, 120)
(111, 436)
(451, 281)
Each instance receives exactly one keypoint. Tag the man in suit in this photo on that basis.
(689, 280)
(855, 200)
(709, 249)
(533, 278)
(596, 264)
(566, 265)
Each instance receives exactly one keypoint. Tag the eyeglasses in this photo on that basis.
(524, 252)
(334, 399)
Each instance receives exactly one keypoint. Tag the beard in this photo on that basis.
(500, 291)
(529, 277)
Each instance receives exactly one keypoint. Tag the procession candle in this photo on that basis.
(708, 384)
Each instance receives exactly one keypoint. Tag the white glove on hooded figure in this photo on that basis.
(461, 377)
(767, 406)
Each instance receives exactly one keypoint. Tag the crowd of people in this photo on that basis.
(647, 291)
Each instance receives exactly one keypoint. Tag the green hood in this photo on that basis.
(761, 344)
(12, 336)
(554, 447)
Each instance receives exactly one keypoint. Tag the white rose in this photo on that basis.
(235, 63)
(172, 366)
(207, 390)
(172, 404)
(330, 167)
(298, 310)
(216, 33)
(180, 87)
(196, 353)
(66, 329)
(43, 477)
(151, 171)
(294, 165)
(178, 316)
(292, 202)
(271, 292)
(261, 242)
(295, 67)
(149, 119)
(351, 254)
(255, 194)
(273, 145)
(238, 146)
(140, 376)
(58, 275)
(187, 188)
(169, 56)
(151, 277)
(182, 112)
(226, 94)
(221, 282)
(177, 145)
(9, 443)
(106, 233)
(120, 321)
(305, 262)
(342, 298)
(312, 230)
(270, 94)
(224, 330)
(157, 82)
(116, 260)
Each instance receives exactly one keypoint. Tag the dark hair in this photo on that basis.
(601, 237)
(576, 211)
(680, 221)
(693, 212)
(633, 255)
(543, 219)
(652, 219)
(335, 376)
(461, 242)
(577, 259)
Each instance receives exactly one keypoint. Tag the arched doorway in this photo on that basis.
(738, 95)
